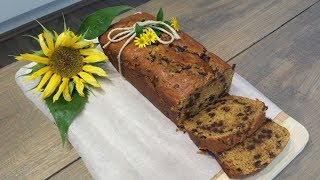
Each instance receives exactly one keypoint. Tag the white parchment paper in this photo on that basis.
(121, 135)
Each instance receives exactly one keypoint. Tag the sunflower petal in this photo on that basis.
(38, 73)
(81, 44)
(61, 37)
(74, 40)
(33, 58)
(94, 70)
(51, 86)
(49, 39)
(79, 85)
(43, 45)
(43, 81)
(88, 52)
(95, 58)
(66, 93)
(67, 42)
(89, 79)
(62, 86)
(71, 33)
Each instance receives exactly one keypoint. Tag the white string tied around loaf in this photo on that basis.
(129, 32)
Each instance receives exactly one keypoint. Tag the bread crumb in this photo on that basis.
(200, 151)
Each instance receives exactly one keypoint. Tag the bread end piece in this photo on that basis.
(256, 152)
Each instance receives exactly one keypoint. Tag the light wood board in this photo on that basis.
(299, 137)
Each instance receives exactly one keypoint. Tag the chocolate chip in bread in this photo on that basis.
(225, 123)
(256, 152)
(180, 78)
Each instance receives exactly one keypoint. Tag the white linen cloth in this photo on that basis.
(121, 135)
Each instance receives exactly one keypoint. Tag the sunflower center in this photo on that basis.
(66, 62)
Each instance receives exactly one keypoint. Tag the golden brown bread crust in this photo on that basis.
(169, 75)
(216, 141)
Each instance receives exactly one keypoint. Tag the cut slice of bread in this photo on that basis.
(225, 123)
(256, 152)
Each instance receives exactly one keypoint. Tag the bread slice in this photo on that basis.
(256, 152)
(226, 123)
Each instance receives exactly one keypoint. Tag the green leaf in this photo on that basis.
(39, 53)
(88, 88)
(71, 86)
(33, 69)
(44, 28)
(99, 21)
(168, 22)
(160, 15)
(55, 35)
(27, 35)
(64, 23)
(84, 35)
(98, 63)
(64, 112)
(158, 32)
(138, 30)
(37, 67)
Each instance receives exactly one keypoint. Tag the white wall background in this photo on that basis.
(14, 13)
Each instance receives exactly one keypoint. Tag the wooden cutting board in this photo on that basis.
(299, 137)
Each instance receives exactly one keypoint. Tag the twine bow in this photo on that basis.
(129, 32)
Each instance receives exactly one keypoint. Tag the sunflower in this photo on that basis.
(141, 41)
(175, 24)
(68, 61)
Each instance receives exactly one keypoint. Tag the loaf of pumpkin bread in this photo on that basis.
(180, 78)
